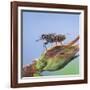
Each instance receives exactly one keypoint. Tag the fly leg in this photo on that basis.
(44, 45)
(56, 43)
(61, 43)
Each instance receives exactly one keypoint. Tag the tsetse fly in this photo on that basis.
(51, 38)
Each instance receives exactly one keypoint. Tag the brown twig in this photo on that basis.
(74, 41)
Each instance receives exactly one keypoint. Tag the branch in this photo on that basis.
(74, 41)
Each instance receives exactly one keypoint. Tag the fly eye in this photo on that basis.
(43, 36)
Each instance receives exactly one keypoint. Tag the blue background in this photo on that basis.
(37, 23)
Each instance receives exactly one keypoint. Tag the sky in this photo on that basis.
(34, 24)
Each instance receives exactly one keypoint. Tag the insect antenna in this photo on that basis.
(38, 40)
